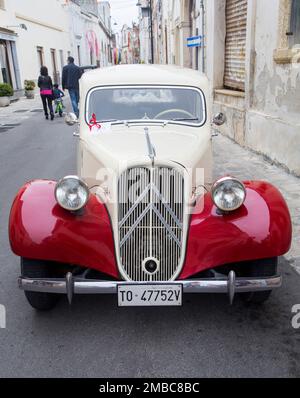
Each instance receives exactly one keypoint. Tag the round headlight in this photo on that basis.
(72, 193)
(228, 194)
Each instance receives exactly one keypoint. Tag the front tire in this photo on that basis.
(259, 268)
(39, 269)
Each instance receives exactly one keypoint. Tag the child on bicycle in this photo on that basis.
(58, 95)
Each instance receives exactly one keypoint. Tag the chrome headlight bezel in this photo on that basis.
(60, 186)
(222, 183)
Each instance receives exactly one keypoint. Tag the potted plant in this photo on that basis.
(29, 86)
(6, 91)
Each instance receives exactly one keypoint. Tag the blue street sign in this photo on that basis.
(195, 41)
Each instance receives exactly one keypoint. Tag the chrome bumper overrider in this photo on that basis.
(72, 285)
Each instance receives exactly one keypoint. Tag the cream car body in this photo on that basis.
(103, 157)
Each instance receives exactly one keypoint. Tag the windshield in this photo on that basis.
(141, 103)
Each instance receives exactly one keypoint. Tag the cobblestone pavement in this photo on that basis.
(230, 158)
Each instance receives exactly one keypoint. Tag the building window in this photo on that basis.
(54, 66)
(61, 56)
(294, 34)
(2, 4)
(5, 70)
(40, 53)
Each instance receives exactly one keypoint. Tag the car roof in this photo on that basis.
(144, 74)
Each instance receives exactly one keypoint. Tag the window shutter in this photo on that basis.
(235, 47)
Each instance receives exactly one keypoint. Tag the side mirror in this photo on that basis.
(71, 119)
(219, 119)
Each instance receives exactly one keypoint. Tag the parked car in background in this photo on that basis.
(143, 218)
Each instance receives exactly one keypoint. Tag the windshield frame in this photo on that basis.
(146, 121)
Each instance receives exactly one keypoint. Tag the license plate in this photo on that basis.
(149, 295)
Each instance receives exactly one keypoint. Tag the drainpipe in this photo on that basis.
(203, 36)
(151, 32)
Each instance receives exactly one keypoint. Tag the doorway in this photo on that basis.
(5, 74)
(54, 66)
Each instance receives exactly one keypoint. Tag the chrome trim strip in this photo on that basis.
(165, 204)
(138, 201)
(136, 223)
(151, 149)
(82, 286)
(166, 225)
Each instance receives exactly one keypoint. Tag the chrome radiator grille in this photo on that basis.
(150, 215)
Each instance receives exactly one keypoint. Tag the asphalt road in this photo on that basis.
(94, 338)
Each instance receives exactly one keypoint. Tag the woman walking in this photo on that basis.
(46, 91)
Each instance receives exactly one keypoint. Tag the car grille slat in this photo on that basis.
(150, 217)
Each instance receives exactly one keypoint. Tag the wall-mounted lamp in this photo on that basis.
(21, 26)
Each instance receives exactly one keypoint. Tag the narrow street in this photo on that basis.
(95, 338)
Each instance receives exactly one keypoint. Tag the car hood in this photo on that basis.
(130, 145)
(104, 156)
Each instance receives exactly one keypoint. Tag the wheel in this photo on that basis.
(39, 269)
(259, 268)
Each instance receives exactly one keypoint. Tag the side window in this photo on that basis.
(294, 34)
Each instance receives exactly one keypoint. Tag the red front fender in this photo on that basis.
(40, 229)
(261, 228)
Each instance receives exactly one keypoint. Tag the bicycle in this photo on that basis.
(59, 106)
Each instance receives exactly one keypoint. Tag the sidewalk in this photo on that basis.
(230, 158)
(16, 112)
(13, 115)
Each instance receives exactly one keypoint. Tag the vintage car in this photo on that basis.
(143, 218)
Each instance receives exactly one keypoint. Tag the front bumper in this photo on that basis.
(72, 285)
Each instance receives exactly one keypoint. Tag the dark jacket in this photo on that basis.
(70, 77)
(57, 93)
(45, 83)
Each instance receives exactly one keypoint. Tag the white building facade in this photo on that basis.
(33, 33)
(90, 32)
(31, 36)
(130, 44)
(173, 22)
(105, 34)
(145, 33)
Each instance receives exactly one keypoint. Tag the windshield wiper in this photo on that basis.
(184, 119)
(117, 121)
(108, 121)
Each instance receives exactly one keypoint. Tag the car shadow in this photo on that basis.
(98, 339)
(203, 309)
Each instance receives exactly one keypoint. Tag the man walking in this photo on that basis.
(70, 81)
